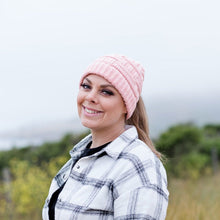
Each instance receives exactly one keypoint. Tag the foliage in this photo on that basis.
(212, 130)
(188, 149)
(3, 201)
(192, 165)
(208, 144)
(27, 178)
(179, 139)
(211, 139)
(41, 154)
(30, 185)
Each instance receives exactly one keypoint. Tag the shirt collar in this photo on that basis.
(79, 148)
(113, 149)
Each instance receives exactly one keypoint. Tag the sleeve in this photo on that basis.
(141, 192)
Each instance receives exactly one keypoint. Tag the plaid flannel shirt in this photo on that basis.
(125, 180)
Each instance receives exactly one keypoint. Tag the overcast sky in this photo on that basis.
(46, 44)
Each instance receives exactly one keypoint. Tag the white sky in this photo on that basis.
(46, 44)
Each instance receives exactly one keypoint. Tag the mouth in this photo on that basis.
(91, 111)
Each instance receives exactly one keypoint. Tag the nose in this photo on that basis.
(92, 96)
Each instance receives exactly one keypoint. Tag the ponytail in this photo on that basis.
(140, 121)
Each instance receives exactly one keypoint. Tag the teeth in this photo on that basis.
(90, 111)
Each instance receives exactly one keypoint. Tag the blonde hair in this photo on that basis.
(140, 121)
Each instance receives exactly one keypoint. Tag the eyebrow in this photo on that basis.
(102, 86)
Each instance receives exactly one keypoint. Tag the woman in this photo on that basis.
(115, 172)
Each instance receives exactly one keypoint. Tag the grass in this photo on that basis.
(194, 200)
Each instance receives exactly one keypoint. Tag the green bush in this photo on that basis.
(37, 155)
(210, 143)
(192, 165)
(188, 149)
(29, 187)
(178, 140)
(212, 130)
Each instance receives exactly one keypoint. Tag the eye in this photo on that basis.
(107, 92)
(85, 86)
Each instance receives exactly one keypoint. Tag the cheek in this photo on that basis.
(79, 101)
(79, 98)
(112, 107)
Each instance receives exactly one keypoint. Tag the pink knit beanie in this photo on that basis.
(125, 74)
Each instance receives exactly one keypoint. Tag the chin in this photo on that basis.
(88, 124)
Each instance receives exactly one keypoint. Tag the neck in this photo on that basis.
(100, 137)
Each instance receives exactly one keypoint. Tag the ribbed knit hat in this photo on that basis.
(125, 74)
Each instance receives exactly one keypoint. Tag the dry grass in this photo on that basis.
(194, 200)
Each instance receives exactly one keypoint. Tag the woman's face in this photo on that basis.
(100, 106)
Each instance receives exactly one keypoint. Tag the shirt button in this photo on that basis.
(64, 175)
(78, 166)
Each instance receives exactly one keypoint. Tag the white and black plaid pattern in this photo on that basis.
(125, 180)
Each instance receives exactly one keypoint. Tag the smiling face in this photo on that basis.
(100, 106)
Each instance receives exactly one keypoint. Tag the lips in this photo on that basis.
(91, 111)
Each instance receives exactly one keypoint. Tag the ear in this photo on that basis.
(125, 109)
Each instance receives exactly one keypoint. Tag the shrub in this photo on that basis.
(191, 165)
(179, 140)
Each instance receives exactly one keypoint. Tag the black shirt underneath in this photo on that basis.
(88, 151)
